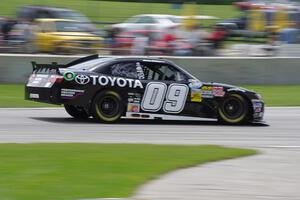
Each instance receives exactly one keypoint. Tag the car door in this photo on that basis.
(133, 90)
(166, 90)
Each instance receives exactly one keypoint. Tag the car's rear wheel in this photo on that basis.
(234, 109)
(76, 112)
(107, 107)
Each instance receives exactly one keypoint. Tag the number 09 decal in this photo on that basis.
(156, 93)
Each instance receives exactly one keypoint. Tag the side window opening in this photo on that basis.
(124, 69)
(162, 72)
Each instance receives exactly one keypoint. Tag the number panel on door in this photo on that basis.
(158, 95)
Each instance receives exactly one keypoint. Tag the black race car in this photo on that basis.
(139, 88)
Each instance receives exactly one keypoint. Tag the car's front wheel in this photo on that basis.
(107, 107)
(76, 112)
(234, 109)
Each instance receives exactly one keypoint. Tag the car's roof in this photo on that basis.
(94, 62)
(137, 58)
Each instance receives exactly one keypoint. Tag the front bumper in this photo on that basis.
(258, 110)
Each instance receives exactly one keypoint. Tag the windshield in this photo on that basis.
(91, 65)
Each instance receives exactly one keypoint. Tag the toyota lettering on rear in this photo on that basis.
(108, 81)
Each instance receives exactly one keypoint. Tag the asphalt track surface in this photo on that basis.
(54, 125)
(273, 174)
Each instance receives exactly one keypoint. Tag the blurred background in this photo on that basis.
(198, 28)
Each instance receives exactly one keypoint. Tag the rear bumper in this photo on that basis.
(41, 94)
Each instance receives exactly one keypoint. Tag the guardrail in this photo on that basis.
(15, 68)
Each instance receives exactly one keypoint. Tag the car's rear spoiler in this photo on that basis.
(38, 67)
(46, 67)
(81, 60)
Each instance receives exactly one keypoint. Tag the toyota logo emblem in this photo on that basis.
(82, 79)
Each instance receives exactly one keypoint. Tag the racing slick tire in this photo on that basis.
(107, 107)
(234, 109)
(76, 112)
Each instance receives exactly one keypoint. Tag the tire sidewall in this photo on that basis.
(96, 110)
(74, 112)
(240, 119)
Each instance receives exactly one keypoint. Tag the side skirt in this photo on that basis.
(133, 115)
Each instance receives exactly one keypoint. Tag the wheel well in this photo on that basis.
(250, 106)
(102, 90)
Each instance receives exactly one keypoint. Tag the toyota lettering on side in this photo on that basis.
(110, 89)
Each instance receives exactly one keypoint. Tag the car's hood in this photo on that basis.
(226, 86)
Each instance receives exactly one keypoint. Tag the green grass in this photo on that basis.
(115, 11)
(12, 95)
(77, 171)
(288, 95)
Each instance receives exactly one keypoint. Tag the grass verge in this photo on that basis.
(76, 171)
(287, 95)
(12, 95)
(107, 11)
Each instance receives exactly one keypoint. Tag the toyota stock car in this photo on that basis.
(110, 89)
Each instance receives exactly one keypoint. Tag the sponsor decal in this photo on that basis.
(195, 84)
(69, 76)
(133, 107)
(207, 91)
(196, 95)
(108, 81)
(41, 80)
(212, 91)
(218, 91)
(34, 96)
(134, 102)
(82, 79)
(140, 72)
(207, 94)
(257, 106)
(134, 97)
(208, 88)
(258, 115)
(70, 93)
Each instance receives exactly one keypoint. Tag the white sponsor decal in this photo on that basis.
(108, 81)
(82, 79)
(257, 106)
(194, 84)
(207, 93)
(71, 92)
(140, 71)
(34, 96)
